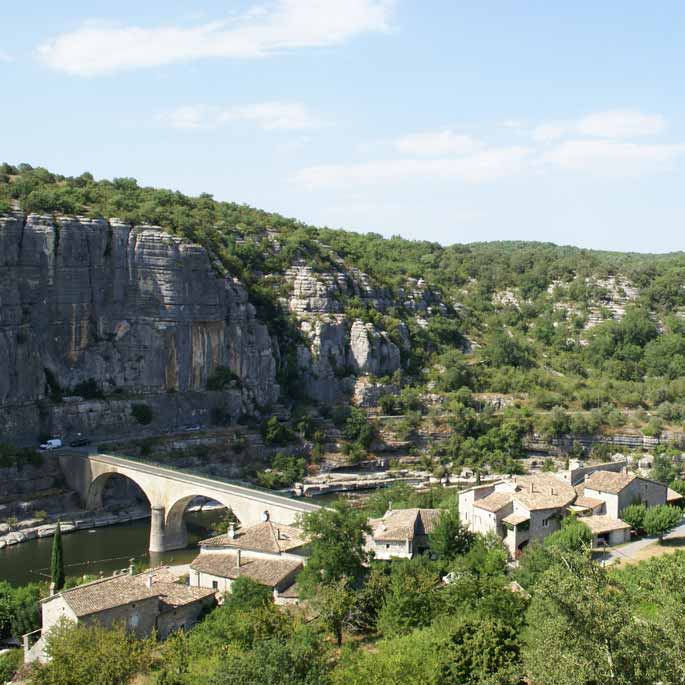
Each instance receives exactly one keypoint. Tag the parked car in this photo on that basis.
(52, 444)
(192, 429)
(79, 442)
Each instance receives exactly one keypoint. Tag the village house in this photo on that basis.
(268, 553)
(144, 602)
(527, 508)
(401, 533)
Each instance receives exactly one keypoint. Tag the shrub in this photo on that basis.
(142, 413)
(222, 378)
(634, 515)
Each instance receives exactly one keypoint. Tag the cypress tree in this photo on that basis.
(57, 560)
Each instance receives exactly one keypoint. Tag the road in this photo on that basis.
(629, 552)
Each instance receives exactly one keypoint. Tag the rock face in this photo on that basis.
(339, 349)
(134, 309)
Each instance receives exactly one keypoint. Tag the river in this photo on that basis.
(109, 549)
(102, 549)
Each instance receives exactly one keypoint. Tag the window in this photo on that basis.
(215, 585)
(545, 523)
(387, 547)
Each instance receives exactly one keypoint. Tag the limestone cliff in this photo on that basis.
(136, 310)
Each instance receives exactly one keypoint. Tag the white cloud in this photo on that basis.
(284, 25)
(436, 144)
(270, 116)
(613, 124)
(486, 165)
(4, 57)
(613, 158)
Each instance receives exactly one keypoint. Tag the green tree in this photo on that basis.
(337, 546)
(10, 662)
(301, 659)
(92, 654)
(661, 519)
(450, 537)
(574, 536)
(334, 603)
(410, 600)
(634, 515)
(57, 560)
(581, 630)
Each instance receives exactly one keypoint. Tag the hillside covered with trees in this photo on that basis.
(576, 341)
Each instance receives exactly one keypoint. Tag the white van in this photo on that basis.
(52, 444)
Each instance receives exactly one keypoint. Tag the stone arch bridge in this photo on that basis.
(170, 491)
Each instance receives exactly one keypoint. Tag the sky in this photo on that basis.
(445, 120)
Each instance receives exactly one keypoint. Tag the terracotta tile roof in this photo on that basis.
(608, 481)
(264, 537)
(174, 595)
(404, 524)
(603, 524)
(515, 519)
(269, 572)
(589, 502)
(495, 501)
(672, 495)
(107, 593)
(115, 591)
(543, 491)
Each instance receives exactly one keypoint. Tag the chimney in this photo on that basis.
(52, 589)
(389, 505)
(131, 567)
(278, 533)
(231, 531)
(237, 559)
(554, 492)
(624, 470)
(148, 581)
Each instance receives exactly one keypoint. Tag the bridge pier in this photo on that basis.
(164, 538)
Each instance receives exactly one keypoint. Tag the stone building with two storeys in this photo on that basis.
(401, 533)
(268, 553)
(145, 603)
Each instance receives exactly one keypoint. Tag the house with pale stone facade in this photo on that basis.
(145, 603)
(526, 508)
(269, 553)
(401, 533)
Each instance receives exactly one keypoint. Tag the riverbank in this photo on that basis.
(31, 529)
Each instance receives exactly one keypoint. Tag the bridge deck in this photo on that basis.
(205, 482)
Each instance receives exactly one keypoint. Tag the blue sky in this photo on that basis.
(443, 120)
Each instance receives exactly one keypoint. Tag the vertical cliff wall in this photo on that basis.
(137, 310)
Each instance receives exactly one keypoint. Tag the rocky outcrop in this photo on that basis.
(339, 349)
(372, 351)
(134, 309)
(368, 394)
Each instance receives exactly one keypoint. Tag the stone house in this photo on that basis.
(620, 490)
(520, 510)
(268, 553)
(528, 508)
(144, 602)
(401, 533)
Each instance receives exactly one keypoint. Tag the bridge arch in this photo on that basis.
(94, 499)
(170, 491)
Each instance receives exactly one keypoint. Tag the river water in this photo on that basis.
(102, 549)
(109, 549)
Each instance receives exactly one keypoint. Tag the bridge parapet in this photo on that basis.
(170, 491)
